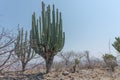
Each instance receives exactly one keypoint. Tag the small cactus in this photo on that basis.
(77, 61)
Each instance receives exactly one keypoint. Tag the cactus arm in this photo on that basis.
(22, 48)
(46, 36)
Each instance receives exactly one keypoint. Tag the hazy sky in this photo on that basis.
(89, 24)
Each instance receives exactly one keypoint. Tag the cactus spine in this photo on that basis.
(46, 36)
(22, 48)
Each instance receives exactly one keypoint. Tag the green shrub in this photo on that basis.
(110, 61)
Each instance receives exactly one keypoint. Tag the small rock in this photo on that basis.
(61, 78)
(72, 78)
(65, 73)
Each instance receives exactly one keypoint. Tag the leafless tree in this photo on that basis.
(6, 47)
(88, 58)
(66, 56)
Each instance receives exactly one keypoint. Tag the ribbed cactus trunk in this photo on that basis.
(23, 66)
(46, 35)
(49, 63)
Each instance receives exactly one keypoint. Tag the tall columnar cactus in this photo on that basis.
(46, 36)
(22, 48)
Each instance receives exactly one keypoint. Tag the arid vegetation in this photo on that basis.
(19, 54)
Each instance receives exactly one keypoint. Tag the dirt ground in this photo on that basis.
(83, 74)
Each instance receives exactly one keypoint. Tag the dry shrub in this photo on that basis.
(58, 66)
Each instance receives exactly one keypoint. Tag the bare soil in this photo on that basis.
(83, 74)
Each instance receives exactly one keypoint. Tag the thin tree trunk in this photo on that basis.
(88, 59)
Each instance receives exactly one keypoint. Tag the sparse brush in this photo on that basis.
(110, 61)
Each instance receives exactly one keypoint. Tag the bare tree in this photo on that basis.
(66, 56)
(6, 47)
(88, 58)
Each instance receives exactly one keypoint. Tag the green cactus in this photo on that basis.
(46, 36)
(22, 48)
(76, 63)
(116, 44)
(110, 61)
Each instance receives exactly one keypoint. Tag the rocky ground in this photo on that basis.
(84, 74)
